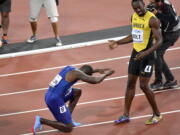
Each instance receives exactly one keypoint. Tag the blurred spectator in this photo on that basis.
(5, 9)
(52, 13)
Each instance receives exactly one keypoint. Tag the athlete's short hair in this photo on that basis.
(87, 69)
(159, 0)
(136, 1)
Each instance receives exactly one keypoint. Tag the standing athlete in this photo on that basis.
(145, 28)
(60, 91)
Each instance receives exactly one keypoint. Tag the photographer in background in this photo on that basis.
(170, 25)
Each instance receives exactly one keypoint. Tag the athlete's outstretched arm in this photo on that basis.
(91, 79)
(101, 71)
(113, 44)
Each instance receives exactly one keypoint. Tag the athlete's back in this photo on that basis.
(59, 85)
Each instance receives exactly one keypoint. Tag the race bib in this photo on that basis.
(62, 109)
(148, 69)
(137, 36)
(55, 81)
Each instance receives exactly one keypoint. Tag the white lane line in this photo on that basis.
(40, 89)
(81, 83)
(58, 67)
(174, 48)
(51, 49)
(22, 92)
(79, 64)
(107, 122)
(83, 103)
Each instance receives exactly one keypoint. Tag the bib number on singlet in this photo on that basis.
(62, 109)
(148, 69)
(55, 81)
(137, 36)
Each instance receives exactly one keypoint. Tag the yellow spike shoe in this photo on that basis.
(153, 120)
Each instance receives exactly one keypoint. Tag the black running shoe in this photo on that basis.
(170, 84)
(156, 85)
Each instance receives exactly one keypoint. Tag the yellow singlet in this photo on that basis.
(141, 31)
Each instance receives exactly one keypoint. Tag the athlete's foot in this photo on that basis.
(59, 42)
(76, 124)
(122, 119)
(170, 84)
(156, 85)
(32, 39)
(37, 125)
(153, 120)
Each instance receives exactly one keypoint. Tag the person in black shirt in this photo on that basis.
(170, 25)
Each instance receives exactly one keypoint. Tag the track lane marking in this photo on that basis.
(79, 64)
(83, 103)
(59, 67)
(81, 83)
(107, 122)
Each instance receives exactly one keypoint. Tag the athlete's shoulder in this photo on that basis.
(154, 22)
(150, 14)
(68, 68)
(71, 67)
(134, 15)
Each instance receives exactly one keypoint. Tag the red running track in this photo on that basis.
(108, 96)
(23, 83)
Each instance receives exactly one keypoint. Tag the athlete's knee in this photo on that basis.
(143, 86)
(5, 14)
(77, 92)
(68, 129)
(131, 85)
(32, 19)
(131, 82)
(54, 19)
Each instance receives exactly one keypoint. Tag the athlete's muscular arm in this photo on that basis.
(113, 44)
(79, 75)
(155, 27)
